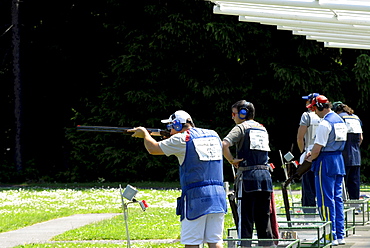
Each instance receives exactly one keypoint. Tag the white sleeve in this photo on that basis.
(175, 145)
(322, 133)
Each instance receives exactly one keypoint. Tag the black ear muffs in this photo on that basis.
(320, 106)
(176, 124)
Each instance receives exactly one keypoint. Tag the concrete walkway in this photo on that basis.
(361, 239)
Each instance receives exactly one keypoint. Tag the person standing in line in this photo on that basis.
(202, 205)
(253, 183)
(351, 153)
(328, 166)
(305, 140)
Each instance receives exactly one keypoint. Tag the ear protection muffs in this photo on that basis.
(176, 124)
(243, 112)
(320, 106)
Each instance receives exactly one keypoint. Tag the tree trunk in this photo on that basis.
(17, 85)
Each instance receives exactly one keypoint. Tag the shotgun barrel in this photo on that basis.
(123, 130)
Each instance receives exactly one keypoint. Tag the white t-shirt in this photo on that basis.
(175, 145)
(322, 133)
(312, 121)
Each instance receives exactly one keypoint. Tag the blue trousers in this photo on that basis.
(330, 199)
(308, 191)
(352, 180)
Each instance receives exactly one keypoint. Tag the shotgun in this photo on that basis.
(302, 169)
(234, 208)
(153, 131)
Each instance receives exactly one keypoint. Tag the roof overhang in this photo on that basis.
(336, 23)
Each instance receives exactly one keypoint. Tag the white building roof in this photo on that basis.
(336, 23)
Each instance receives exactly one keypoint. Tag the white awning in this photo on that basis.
(336, 23)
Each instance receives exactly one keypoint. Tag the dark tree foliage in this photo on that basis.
(120, 63)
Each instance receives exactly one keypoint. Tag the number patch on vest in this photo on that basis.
(340, 131)
(353, 126)
(208, 148)
(259, 140)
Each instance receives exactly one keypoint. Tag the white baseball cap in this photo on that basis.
(180, 115)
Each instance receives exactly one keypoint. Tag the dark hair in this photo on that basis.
(247, 105)
(343, 107)
(189, 122)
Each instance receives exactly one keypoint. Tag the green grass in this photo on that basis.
(20, 207)
(26, 205)
(101, 245)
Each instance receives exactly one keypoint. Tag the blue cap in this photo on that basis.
(310, 96)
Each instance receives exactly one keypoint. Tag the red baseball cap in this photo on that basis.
(318, 99)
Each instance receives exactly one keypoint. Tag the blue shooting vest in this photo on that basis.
(255, 179)
(333, 145)
(252, 156)
(351, 152)
(330, 157)
(201, 180)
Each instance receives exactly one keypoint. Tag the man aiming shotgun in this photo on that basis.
(202, 204)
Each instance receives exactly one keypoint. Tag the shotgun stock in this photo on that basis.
(234, 208)
(123, 130)
(302, 169)
(286, 203)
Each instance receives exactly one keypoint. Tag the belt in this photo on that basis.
(239, 174)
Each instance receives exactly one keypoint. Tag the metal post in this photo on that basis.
(125, 214)
(129, 194)
(17, 85)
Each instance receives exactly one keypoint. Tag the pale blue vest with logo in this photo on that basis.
(334, 143)
(331, 154)
(351, 152)
(201, 175)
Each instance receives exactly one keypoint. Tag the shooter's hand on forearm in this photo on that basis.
(138, 132)
(151, 145)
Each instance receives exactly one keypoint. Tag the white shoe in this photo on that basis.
(341, 241)
(334, 243)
